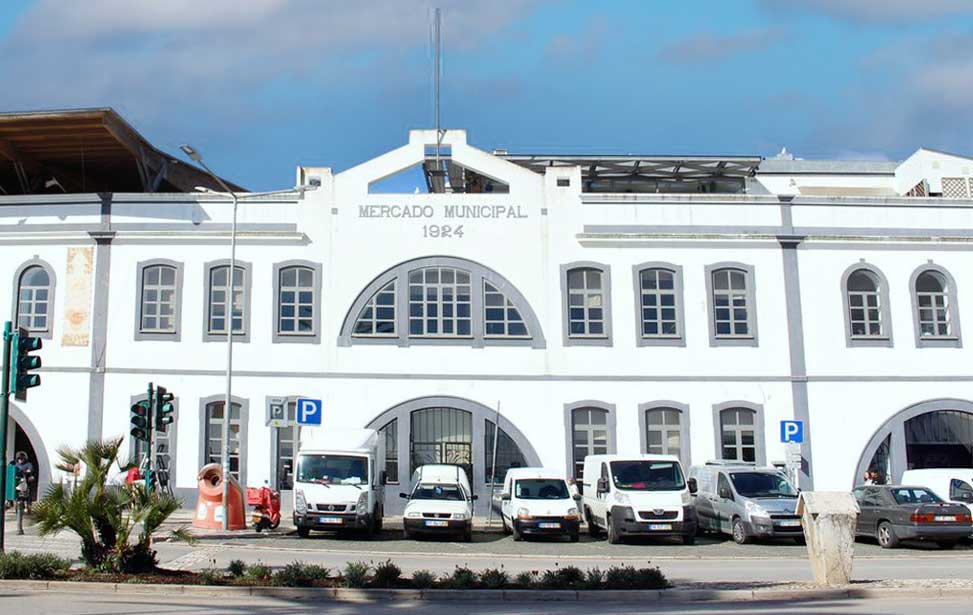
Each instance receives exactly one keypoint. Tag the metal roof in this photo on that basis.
(655, 167)
(87, 150)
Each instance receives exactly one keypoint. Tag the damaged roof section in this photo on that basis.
(84, 151)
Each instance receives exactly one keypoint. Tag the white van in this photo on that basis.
(638, 495)
(950, 484)
(539, 501)
(440, 501)
(336, 482)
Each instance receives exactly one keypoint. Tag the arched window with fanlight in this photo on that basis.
(441, 300)
(34, 298)
(934, 310)
(866, 305)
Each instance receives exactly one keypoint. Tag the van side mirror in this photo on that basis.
(505, 497)
(693, 487)
(602, 485)
(474, 497)
(383, 478)
(404, 496)
(725, 494)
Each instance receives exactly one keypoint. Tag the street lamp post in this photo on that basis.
(228, 403)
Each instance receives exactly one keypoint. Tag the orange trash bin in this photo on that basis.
(209, 504)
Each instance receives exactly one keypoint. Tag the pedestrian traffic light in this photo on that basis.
(150, 479)
(164, 408)
(23, 363)
(140, 419)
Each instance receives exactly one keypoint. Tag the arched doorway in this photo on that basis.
(24, 436)
(930, 434)
(453, 430)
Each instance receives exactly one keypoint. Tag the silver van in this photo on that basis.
(746, 501)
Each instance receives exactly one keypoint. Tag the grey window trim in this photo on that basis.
(759, 432)
(244, 428)
(750, 279)
(478, 273)
(955, 339)
(679, 339)
(36, 262)
(611, 421)
(885, 311)
(173, 437)
(567, 338)
(176, 334)
(295, 337)
(247, 299)
(685, 453)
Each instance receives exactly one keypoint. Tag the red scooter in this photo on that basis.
(266, 507)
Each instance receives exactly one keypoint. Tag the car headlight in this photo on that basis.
(458, 516)
(300, 504)
(523, 513)
(687, 498)
(414, 515)
(756, 510)
(362, 503)
(572, 514)
(622, 498)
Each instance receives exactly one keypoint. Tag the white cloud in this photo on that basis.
(875, 11)
(707, 47)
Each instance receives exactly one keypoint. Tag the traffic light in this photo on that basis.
(150, 479)
(140, 419)
(23, 363)
(164, 408)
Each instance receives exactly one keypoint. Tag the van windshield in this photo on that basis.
(762, 485)
(332, 469)
(648, 475)
(426, 491)
(541, 489)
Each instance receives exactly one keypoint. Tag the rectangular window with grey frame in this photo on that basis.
(296, 301)
(586, 303)
(159, 299)
(226, 303)
(731, 310)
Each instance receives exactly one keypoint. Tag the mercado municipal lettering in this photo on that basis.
(666, 304)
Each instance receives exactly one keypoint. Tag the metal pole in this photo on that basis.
(4, 401)
(493, 473)
(228, 404)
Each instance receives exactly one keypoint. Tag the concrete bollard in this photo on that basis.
(829, 519)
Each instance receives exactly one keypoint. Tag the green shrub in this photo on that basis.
(257, 573)
(211, 576)
(236, 568)
(569, 577)
(628, 577)
(386, 574)
(594, 578)
(526, 579)
(462, 578)
(423, 579)
(299, 574)
(355, 574)
(16, 565)
(494, 578)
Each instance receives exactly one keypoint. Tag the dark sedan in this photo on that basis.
(891, 513)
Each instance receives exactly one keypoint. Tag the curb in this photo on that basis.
(508, 595)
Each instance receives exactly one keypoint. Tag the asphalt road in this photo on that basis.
(89, 603)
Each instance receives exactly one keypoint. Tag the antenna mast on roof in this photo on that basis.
(438, 69)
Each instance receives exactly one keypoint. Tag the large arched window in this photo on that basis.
(34, 301)
(211, 430)
(866, 303)
(441, 300)
(934, 310)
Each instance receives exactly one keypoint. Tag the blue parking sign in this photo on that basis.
(308, 411)
(792, 431)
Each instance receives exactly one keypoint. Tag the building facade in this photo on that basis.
(582, 304)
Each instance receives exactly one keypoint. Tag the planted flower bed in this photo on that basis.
(384, 575)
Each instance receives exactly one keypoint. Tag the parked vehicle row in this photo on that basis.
(338, 486)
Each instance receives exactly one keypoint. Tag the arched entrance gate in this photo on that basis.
(454, 430)
(930, 434)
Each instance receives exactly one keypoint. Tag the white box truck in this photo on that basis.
(339, 481)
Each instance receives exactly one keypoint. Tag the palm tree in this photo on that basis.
(105, 516)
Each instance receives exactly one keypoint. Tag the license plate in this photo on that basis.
(790, 523)
(548, 526)
(660, 526)
(945, 518)
(436, 523)
(330, 520)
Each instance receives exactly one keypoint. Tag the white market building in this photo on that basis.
(590, 303)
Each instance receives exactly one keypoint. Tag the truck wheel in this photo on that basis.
(946, 544)
(369, 530)
(379, 515)
(407, 535)
(516, 535)
(740, 534)
(886, 536)
(303, 532)
(689, 539)
(614, 536)
(506, 526)
(468, 535)
(593, 528)
(800, 540)
(575, 537)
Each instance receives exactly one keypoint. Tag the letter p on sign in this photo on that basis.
(792, 431)
(308, 411)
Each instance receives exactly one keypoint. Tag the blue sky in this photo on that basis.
(263, 85)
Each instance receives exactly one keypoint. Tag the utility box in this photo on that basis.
(829, 519)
